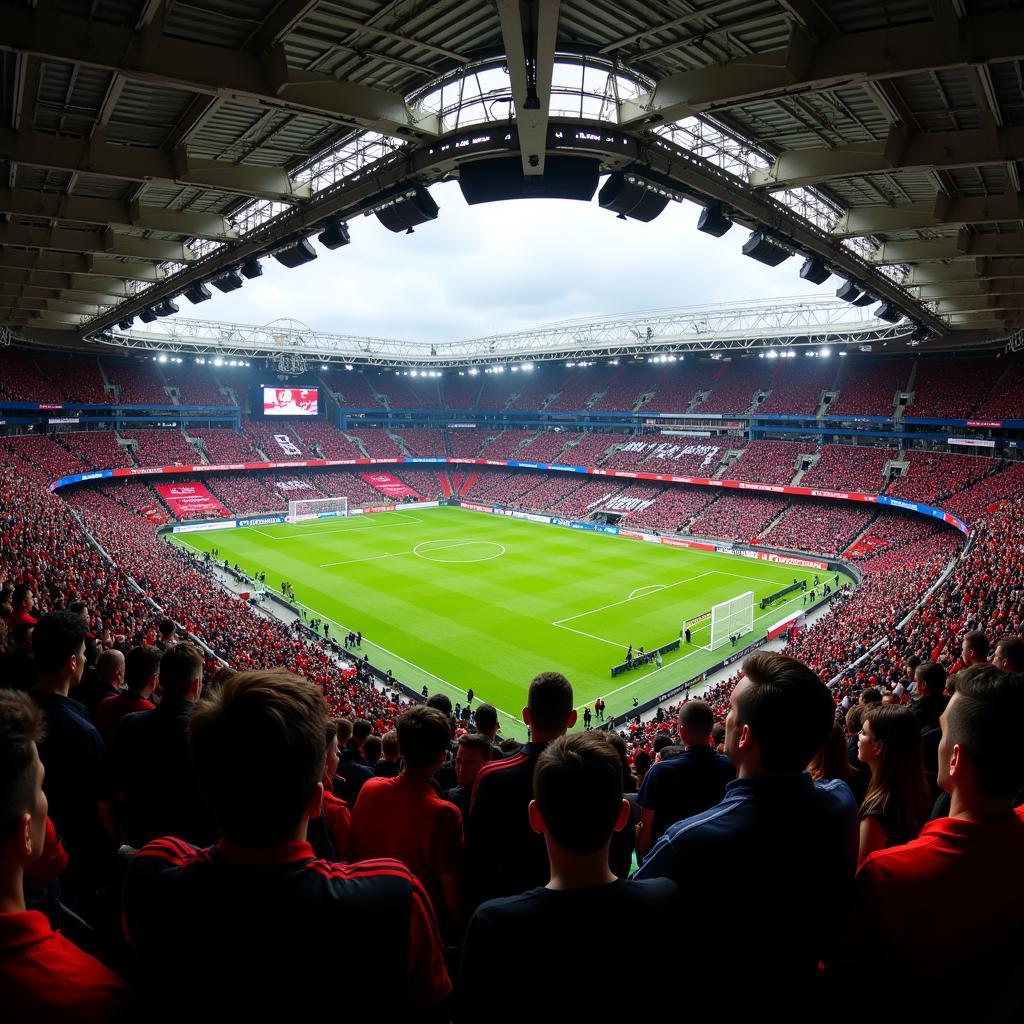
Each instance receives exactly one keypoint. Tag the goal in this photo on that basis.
(734, 617)
(316, 508)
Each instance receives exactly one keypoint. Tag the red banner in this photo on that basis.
(188, 500)
(390, 485)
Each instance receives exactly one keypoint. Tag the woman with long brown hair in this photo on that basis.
(898, 797)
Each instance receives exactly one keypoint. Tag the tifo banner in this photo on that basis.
(186, 500)
(293, 485)
(389, 484)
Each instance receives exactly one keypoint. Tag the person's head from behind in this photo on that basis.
(487, 720)
(696, 720)
(423, 737)
(361, 729)
(871, 695)
(372, 749)
(274, 723)
(831, 761)
(577, 794)
(442, 702)
(80, 608)
(181, 672)
(111, 668)
(332, 755)
(974, 647)
(58, 643)
(389, 748)
(1009, 654)
(980, 756)
(23, 804)
(549, 711)
(779, 717)
(474, 752)
(854, 718)
(929, 679)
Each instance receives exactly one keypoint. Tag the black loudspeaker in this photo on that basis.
(296, 255)
(406, 212)
(565, 177)
(126, 324)
(334, 235)
(229, 282)
(629, 197)
(251, 268)
(147, 316)
(713, 220)
(815, 271)
(166, 308)
(867, 299)
(761, 248)
(198, 293)
(890, 313)
(847, 291)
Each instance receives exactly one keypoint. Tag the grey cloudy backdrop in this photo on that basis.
(504, 267)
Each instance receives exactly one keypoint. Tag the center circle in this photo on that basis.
(462, 550)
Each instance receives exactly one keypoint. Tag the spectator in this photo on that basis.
(685, 785)
(108, 680)
(79, 782)
(577, 806)
(831, 762)
(961, 878)
(504, 856)
(1009, 654)
(372, 750)
(974, 648)
(854, 720)
(351, 774)
(927, 706)
(19, 667)
(141, 676)
(22, 603)
(42, 975)
(474, 751)
(388, 766)
(159, 791)
(788, 844)
(330, 832)
(259, 897)
(168, 635)
(486, 719)
(404, 818)
(898, 798)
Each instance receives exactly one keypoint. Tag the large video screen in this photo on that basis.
(291, 402)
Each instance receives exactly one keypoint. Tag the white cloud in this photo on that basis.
(504, 267)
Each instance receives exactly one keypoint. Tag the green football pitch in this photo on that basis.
(455, 599)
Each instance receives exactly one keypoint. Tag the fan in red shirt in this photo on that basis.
(141, 676)
(42, 975)
(404, 817)
(330, 834)
(22, 602)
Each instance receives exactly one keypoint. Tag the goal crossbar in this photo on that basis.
(316, 508)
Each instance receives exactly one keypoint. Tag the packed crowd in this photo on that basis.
(849, 467)
(819, 526)
(737, 517)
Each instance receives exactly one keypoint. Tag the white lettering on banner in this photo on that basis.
(600, 501)
(293, 485)
(833, 494)
(286, 444)
(667, 450)
(804, 563)
(624, 504)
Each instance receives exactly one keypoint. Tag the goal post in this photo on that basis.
(316, 508)
(732, 618)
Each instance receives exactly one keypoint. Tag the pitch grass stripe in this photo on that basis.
(489, 624)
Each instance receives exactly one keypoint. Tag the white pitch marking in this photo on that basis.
(614, 604)
(643, 590)
(446, 546)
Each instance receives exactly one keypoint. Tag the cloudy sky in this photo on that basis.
(505, 267)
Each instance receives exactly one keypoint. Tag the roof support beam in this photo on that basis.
(107, 212)
(76, 263)
(899, 151)
(807, 65)
(529, 30)
(70, 294)
(979, 302)
(992, 267)
(956, 247)
(150, 56)
(874, 220)
(152, 166)
(104, 287)
(67, 240)
(976, 286)
(56, 306)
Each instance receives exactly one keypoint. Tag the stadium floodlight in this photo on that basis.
(335, 234)
(714, 220)
(197, 293)
(251, 268)
(848, 291)
(162, 358)
(761, 247)
(296, 255)
(147, 316)
(348, 366)
(825, 352)
(229, 282)
(814, 270)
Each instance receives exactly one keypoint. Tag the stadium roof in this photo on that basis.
(146, 146)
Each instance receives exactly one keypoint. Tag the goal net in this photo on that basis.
(316, 508)
(734, 617)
